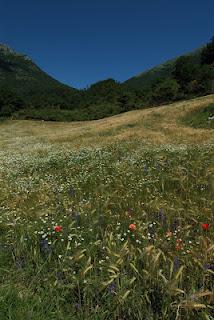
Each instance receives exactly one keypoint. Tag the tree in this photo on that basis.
(165, 90)
(9, 102)
(185, 71)
(207, 55)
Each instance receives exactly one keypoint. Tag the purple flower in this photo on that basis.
(20, 263)
(174, 225)
(209, 266)
(158, 167)
(59, 275)
(78, 306)
(71, 192)
(161, 217)
(111, 288)
(77, 218)
(44, 246)
(176, 264)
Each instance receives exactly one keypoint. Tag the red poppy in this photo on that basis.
(205, 226)
(132, 227)
(57, 228)
(178, 247)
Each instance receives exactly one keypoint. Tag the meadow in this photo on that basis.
(108, 219)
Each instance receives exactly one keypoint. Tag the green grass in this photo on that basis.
(96, 268)
(199, 118)
(48, 114)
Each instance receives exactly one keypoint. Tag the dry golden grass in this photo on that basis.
(159, 125)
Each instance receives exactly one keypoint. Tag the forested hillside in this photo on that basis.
(26, 92)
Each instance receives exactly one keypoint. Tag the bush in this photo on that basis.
(9, 103)
(165, 91)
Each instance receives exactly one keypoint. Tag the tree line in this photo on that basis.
(188, 79)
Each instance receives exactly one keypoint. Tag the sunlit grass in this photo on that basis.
(69, 193)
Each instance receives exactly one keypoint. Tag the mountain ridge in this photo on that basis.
(22, 67)
(143, 79)
(46, 98)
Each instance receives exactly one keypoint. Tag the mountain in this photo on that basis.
(21, 75)
(27, 92)
(145, 79)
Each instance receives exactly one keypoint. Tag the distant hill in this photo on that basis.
(145, 79)
(27, 92)
(21, 75)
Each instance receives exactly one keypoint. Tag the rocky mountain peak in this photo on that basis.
(5, 49)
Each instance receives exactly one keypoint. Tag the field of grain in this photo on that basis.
(108, 219)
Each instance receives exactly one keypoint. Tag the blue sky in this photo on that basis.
(84, 41)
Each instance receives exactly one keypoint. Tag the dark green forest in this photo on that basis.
(26, 92)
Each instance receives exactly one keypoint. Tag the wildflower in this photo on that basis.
(77, 218)
(178, 246)
(169, 234)
(132, 227)
(59, 275)
(44, 246)
(20, 263)
(176, 264)
(161, 217)
(57, 228)
(174, 225)
(71, 192)
(205, 226)
(145, 168)
(208, 266)
(111, 288)
(77, 306)
(130, 212)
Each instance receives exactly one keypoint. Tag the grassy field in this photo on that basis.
(198, 118)
(108, 219)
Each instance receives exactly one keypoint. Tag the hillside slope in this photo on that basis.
(26, 92)
(21, 75)
(146, 78)
(157, 126)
